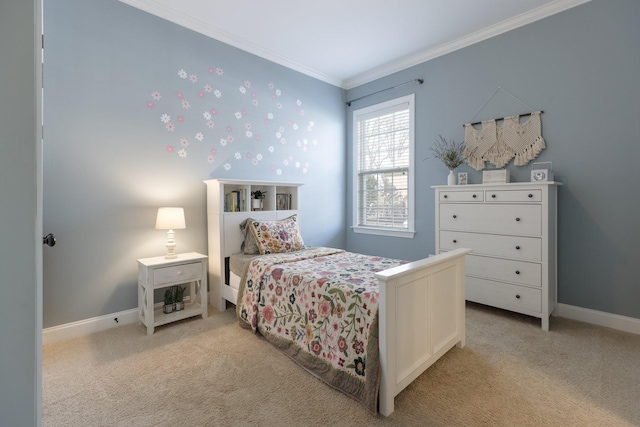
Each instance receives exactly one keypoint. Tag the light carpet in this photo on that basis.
(213, 373)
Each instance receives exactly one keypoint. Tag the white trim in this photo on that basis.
(356, 115)
(88, 326)
(502, 27)
(600, 318)
(390, 232)
(201, 27)
(101, 323)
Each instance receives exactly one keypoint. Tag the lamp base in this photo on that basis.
(171, 246)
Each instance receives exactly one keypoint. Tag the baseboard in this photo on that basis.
(88, 326)
(96, 324)
(600, 318)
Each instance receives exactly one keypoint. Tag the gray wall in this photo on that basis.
(107, 168)
(19, 329)
(581, 67)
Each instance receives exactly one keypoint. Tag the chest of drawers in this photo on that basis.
(512, 231)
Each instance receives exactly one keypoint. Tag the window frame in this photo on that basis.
(409, 231)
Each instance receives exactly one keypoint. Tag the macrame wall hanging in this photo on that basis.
(499, 144)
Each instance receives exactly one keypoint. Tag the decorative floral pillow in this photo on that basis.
(280, 236)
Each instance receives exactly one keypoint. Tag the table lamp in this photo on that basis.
(170, 219)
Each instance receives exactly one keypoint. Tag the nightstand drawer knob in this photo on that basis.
(455, 241)
(455, 216)
(517, 296)
(518, 219)
(518, 247)
(517, 271)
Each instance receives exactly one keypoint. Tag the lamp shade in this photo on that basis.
(170, 219)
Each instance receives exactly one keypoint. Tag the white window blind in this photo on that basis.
(384, 145)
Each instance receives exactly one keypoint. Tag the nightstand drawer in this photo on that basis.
(182, 273)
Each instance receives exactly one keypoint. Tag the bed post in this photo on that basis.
(421, 317)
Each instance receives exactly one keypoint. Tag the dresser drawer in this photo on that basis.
(514, 247)
(461, 196)
(520, 272)
(525, 220)
(514, 196)
(177, 273)
(502, 295)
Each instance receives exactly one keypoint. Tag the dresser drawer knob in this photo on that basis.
(455, 241)
(518, 247)
(518, 296)
(531, 196)
(445, 196)
(474, 196)
(517, 271)
(518, 219)
(493, 196)
(455, 216)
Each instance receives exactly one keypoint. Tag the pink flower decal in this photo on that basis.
(211, 70)
(180, 119)
(150, 104)
(156, 95)
(229, 129)
(179, 94)
(169, 149)
(201, 94)
(214, 151)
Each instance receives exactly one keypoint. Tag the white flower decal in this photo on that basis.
(165, 118)
(237, 155)
(199, 136)
(217, 93)
(193, 78)
(206, 115)
(156, 95)
(182, 153)
(182, 74)
(185, 104)
(227, 167)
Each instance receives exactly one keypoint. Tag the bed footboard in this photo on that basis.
(421, 317)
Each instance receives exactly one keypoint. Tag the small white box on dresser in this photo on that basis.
(512, 230)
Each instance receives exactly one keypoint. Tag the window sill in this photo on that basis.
(407, 234)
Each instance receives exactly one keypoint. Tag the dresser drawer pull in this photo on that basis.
(493, 196)
(518, 247)
(455, 216)
(445, 196)
(518, 219)
(530, 196)
(455, 241)
(517, 271)
(518, 296)
(474, 196)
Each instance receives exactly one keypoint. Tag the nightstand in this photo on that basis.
(159, 272)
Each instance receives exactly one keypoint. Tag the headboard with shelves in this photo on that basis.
(228, 205)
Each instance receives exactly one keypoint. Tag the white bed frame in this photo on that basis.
(421, 307)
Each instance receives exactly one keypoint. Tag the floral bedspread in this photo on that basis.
(320, 306)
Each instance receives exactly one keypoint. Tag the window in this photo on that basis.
(383, 141)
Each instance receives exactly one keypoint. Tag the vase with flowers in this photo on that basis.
(450, 153)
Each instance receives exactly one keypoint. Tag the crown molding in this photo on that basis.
(473, 38)
(201, 27)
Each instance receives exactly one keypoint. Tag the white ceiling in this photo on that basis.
(350, 42)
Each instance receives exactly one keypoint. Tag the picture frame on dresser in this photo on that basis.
(512, 230)
(462, 178)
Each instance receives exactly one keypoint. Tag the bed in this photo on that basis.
(304, 301)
